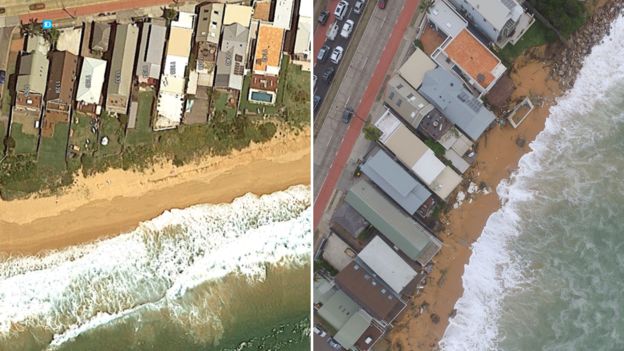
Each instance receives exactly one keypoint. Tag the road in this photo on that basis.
(373, 88)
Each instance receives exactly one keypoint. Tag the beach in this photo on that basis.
(498, 156)
(116, 201)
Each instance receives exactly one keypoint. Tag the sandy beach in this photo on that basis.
(117, 201)
(498, 156)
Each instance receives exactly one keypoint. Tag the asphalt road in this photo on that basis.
(351, 88)
(373, 86)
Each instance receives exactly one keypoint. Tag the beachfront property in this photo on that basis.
(461, 52)
(407, 235)
(59, 95)
(90, 84)
(302, 52)
(171, 95)
(502, 21)
(207, 37)
(121, 68)
(31, 83)
(283, 13)
(151, 50)
(266, 64)
(405, 101)
(232, 57)
(452, 99)
(100, 37)
(416, 156)
(396, 182)
(240, 14)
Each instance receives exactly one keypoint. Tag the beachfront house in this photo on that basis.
(416, 156)
(396, 182)
(283, 13)
(231, 59)
(100, 37)
(59, 96)
(387, 264)
(171, 95)
(266, 64)
(302, 52)
(240, 14)
(90, 84)
(31, 83)
(502, 21)
(207, 37)
(151, 50)
(121, 68)
(403, 99)
(451, 98)
(405, 233)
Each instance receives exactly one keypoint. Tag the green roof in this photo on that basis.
(403, 231)
(338, 310)
(353, 329)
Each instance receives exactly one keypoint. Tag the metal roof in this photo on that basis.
(404, 232)
(338, 309)
(390, 267)
(348, 335)
(449, 96)
(415, 68)
(395, 181)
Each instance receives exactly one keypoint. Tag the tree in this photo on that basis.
(371, 132)
(52, 36)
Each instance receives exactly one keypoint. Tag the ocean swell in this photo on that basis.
(493, 271)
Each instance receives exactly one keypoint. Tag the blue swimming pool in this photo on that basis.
(261, 96)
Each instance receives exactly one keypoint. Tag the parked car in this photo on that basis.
(382, 4)
(318, 331)
(347, 28)
(329, 73)
(322, 54)
(317, 102)
(37, 6)
(314, 81)
(2, 76)
(336, 55)
(332, 31)
(358, 7)
(334, 344)
(341, 10)
(347, 115)
(322, 18)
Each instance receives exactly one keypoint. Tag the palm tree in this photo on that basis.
(31, 28)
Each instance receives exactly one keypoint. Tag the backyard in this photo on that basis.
(537, 35)
(142, 133)
(52, 150)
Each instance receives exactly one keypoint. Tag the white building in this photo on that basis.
(283, 14)
(388, 265)
(91, 81)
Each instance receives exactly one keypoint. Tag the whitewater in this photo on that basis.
(546, 272)
(155, 268)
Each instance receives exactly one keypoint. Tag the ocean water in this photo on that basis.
(209, 277)
(547, 272)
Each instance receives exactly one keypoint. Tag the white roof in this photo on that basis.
(497, 12)
(283, 13)
(305, 9)
(170, 108)
(428, 167)
(91, 80)
(175, 66)
(185, 20)
(446, 182)
(173, 85)
(388, 265)
(446, 18)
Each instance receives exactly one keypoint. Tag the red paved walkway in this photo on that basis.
(355, 128)
(93, 9)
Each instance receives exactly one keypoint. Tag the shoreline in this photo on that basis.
(537, 73)
(116, 201)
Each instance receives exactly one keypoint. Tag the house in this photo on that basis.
(502, 21)
(302, 53)
(31, 82)
(470, 60)
(387, 264)
(231, 59)
(171, 95)
(262, 10)
(209, 23)
(404, 232)
(417, 156)
(414, 69)
(240, 14)
(266, 64)
(89, 94)
(405, 101)
(121, 68)
(59, 95)
(395, 181)
(151, 50)
(283, 13)
(446, 92)
(100, 37)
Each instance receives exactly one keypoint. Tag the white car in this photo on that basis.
(358, 7)
(319, 332)
(347, 28)
(341, 10)
(336, 55)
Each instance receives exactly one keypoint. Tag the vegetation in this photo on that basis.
(437, 148)
(565, 15)
(321, 264)
(537, 35)
(371, 132)
(52, 149)
(142, 132)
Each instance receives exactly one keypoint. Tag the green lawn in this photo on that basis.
(24, 143)
(537, 35)
(6, 97)
(142, 132)
(81, 135)
(113, 130)
(52, 150)
(220, 103)
(295, 94)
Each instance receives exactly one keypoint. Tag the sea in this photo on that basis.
(547, 272)
(230, 276)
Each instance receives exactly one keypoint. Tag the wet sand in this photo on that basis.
(498, 156)
(116, 201)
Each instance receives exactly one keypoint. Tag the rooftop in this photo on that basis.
(446, 19)
(237, 14)
(403, 99)
(414, 69)
(283, 13)
(60, 86)
(395, 181)
(408, 235)
(388, 265)
(91, 80)
(209, 23)
(337, 309)
(268, 49)
(349, 334)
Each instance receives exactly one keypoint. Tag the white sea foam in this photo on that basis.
(152, 267)
(492, 271)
